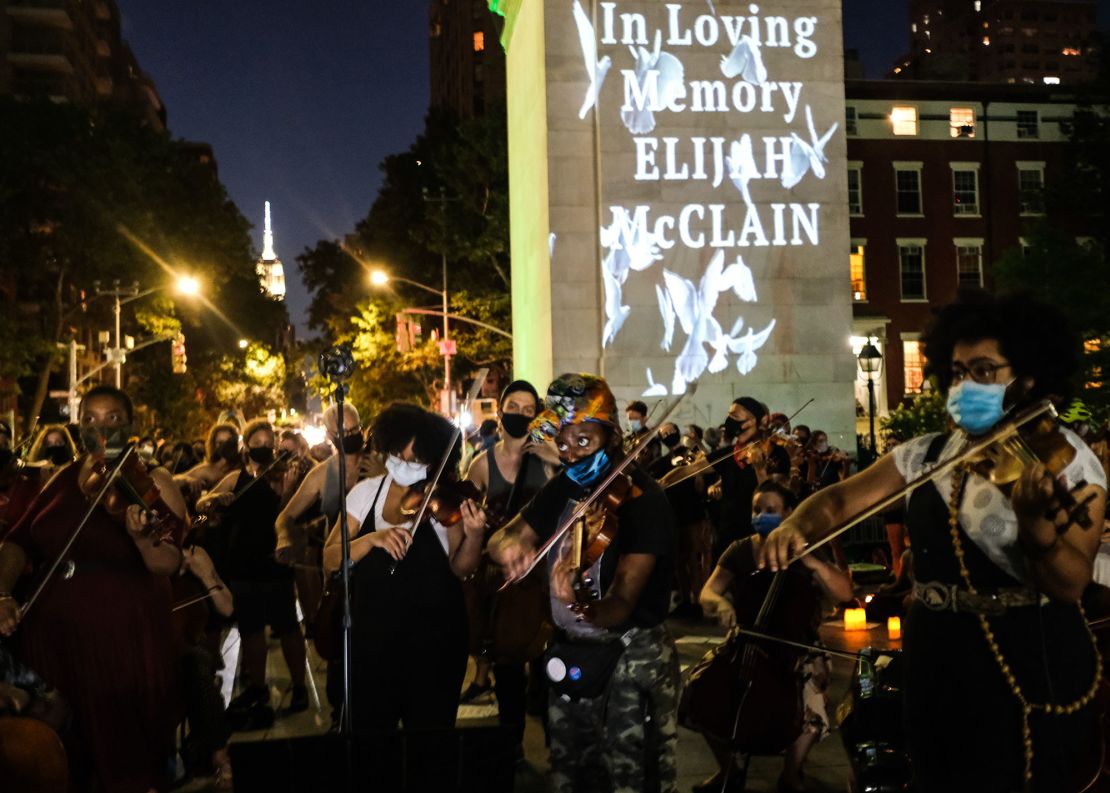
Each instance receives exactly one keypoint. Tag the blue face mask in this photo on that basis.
(765, 522)
(589, 469)
(635, 425)
(976, 407)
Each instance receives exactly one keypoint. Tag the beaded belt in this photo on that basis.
(937, 596)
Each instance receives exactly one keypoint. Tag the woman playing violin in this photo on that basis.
(999, 663)
(103, 635)
(607, 738)
(409, 621)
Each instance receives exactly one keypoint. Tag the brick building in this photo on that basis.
(1005, 41)
(943, 179)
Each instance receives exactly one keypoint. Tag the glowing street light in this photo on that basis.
(243, 344)
(188, 285)
(379, 278)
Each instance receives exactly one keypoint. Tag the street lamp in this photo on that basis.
(243, 344)
(185, 285)
(381, 278)
(871, 364)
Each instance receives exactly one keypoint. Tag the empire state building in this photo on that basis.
(269, 267)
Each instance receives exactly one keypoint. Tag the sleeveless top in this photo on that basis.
(249, 524)
(332, 491)
(529, 479)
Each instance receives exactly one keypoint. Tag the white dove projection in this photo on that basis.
(631, 247)
(596, 69)
(805, 157)
(667, 72)
(694, 309)
(654, 389)
(741, 166)
(745, 61)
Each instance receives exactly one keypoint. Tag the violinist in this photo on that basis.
(103, 635)
(247, 502)
(509, 475)
(739, 476)
(606, 738)
(409, 621)
(693, 558)
(636, 412)
(824, 465)
(771, 504)
(52, 449)
(999, 665)
(221, 457)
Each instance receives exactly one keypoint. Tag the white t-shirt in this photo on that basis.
(986, 514)
(361, 498)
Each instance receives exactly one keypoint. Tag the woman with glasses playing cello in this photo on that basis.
(1000, 667)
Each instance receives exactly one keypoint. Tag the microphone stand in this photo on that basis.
(345, 720)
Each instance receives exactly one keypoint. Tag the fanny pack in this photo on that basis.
(581, 669)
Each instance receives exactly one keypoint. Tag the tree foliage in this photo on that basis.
(447, 196)
(96, 196)
(925, 414)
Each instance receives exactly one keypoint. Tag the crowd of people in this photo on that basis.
(118, 588)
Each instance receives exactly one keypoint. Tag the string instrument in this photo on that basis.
(616, 472)
(707, 462)
(32, 757)
(214, 517)
(445, 499)
(1005, 450)
(744, 693)
(592, 535)
(133, 485)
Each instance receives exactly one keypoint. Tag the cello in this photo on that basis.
(743, 693)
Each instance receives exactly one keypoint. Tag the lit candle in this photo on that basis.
(855, 619)
(894, 627)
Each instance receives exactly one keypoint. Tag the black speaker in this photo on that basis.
(467, 759)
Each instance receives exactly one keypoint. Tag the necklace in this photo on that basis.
(959, 479)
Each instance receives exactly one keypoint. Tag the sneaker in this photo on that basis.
(298, 703)
(248, 697)
(475, 692)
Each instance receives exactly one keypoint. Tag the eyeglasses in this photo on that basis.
(983, 371)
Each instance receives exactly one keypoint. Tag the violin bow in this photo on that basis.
(971, 451)
(113, 473)
(282, 455)
(429, 489)
(617, 470)
(709, 462)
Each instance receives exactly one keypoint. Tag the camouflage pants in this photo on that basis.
(623, 741)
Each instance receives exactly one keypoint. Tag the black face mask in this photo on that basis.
(227, 450)
(57, 455)
(262, 455)
(732, 427)
(670, 441)
(109, 442)
(353, 443)
(515, 424)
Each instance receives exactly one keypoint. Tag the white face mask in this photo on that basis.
(404, 473)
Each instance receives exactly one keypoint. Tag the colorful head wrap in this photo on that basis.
(574, 399)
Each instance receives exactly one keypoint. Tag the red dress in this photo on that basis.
(104, 638)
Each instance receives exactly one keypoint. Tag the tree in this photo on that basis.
(89, 196)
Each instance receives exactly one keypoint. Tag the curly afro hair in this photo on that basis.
(402, 422)
(1035, 337)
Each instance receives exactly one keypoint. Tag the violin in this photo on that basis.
(445, 501)
(133, 485)
(596, 530)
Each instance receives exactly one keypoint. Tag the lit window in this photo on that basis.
(1031, 190)
(961, 122)
(978, 6)
(913, 28)
(859, 279)
(1051, 80)
(1071, 51)
(911, 265)
(986, 41)
(1028, 124)
(1090, 347)
(855, 191)
(479, 40)
(965, 192)
(913, 366)
(969, 265)
(907, 183)
(904, 120)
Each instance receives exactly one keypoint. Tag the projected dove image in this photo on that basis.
(658, 77)
(745, 61)
(805, 156)
(631, 248)
(595, 69)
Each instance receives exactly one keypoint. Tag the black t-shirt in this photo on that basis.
(687, 503)
(646, 525)
(738, 484)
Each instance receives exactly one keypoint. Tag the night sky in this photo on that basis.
(302, 100)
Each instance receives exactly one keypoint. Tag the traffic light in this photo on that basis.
(409, 333)
(177, 348)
